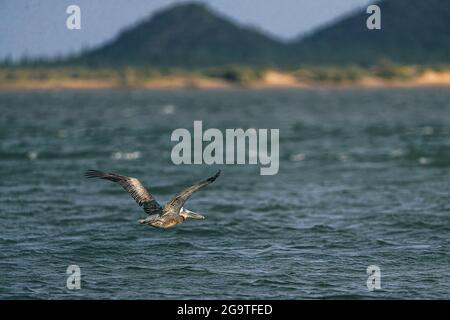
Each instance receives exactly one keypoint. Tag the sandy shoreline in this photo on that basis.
(269, 81)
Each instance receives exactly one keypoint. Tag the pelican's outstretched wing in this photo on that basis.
(133, 186)
(174, 205)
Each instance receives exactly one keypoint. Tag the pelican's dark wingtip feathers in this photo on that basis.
(93, 174)
(214, 177)
(103, 175)
(131, 185)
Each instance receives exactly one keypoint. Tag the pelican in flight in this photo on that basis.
(173, 212)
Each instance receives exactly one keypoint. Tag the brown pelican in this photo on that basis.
(173, 212)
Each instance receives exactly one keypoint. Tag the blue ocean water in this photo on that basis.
(364, 180)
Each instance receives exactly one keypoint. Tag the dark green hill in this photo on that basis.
(413, 32)
(188, 35)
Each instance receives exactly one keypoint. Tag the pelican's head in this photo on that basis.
(191, 215)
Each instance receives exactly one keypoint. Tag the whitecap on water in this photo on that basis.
(427, 131)
(397, 153)
(424, 161)
(168, 109)
(342, 157)
(32, 155)
(297, 157)
(126, 155)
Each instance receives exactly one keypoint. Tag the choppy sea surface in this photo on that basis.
(364, 180)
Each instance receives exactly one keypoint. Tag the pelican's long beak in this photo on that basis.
(194, 215)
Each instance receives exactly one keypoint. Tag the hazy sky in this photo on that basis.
(38, 28)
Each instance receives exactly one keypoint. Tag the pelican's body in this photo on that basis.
(173, 212)
(170, 220)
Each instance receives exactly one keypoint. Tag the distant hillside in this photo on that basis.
(189, 36)
(413, 32)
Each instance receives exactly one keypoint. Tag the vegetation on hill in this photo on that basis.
(192, 36)
(187, 36)
(412, 32)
